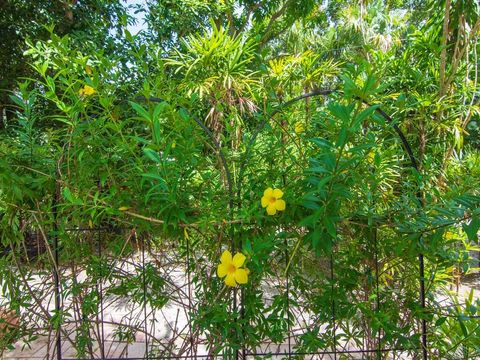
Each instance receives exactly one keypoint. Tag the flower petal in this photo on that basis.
(226, 258)
(238, 260)
(299, 127)
(277, 193)
(222, 270)
(271, 210)
(241, 276)
(230, 280)
(268, 192)
(280, 205)
(265, 201)
(89, 90)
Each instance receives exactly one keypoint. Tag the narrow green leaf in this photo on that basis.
(330, 226)
(362, 116)
(342, 137)
(144, 114)
(184, 114)
(152, 155)
(67, 194)
(440, 321)
(471, 229)
(322, 143)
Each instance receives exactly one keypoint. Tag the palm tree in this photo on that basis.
(217, 67)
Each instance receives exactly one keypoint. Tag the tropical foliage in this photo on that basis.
(288, 157)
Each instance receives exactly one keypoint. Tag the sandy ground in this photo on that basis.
(167, 328)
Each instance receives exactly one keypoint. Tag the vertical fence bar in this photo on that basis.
(144, 280)
(100, 295)
(422, 303)
(189, 287)
(334, 322)
(421, 262)
(235, 306)
(377, 309)
(287, 284)
(235, 245)
(56, 275)
(242, 310)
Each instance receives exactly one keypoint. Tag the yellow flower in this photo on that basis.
(449, 235)
(370, 157)
(123, 208)
(231, 269)
(299, 127)
(86, 91)
(271, 199)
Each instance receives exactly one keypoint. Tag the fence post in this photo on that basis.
(56, 275)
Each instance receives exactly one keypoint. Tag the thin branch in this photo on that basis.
(443, 55)
(274, 17)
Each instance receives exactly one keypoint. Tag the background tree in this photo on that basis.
(95, 21)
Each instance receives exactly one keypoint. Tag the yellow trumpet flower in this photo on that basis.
(271, 200)
(231, 269)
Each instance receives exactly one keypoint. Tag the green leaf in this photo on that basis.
(67, 194)
(472, 309)
(321, 184)
(144, 114)
(159, 108)
(461, 319)
(184, 114)
(323, 143)
(128, 36)
(342, 137)
(17, 100)
(362, 116)
(440, 321)
(157, 131)
(330, 226)
(341, 112)
(156, 177)
(471, 229)
(349, 85)
(370, 85)
(152, 155)
(315, 238)
(317, 170)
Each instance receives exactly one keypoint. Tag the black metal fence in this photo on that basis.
(134, 328)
